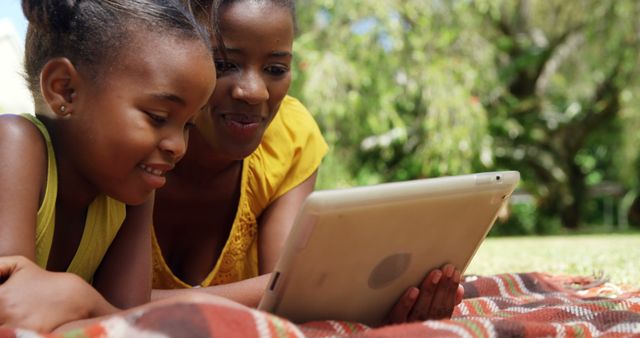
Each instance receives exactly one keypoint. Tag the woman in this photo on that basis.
(221, 220)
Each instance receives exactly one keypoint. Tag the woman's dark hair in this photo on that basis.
(208, 11)
(91, 33)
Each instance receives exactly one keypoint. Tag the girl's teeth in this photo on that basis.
(156, 172)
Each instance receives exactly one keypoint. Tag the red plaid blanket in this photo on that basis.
(508, 305)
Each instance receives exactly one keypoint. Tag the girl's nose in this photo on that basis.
(174, 144)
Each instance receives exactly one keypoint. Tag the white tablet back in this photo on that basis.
(353, 252)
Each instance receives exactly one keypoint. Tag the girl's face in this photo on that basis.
(134, 120)
(253, 79)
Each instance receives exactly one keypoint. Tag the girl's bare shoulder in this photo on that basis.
(20, 140)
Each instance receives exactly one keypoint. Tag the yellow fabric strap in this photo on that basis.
(104, 218)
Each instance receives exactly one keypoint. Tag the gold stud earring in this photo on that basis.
(63, 108)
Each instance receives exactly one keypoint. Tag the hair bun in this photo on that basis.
(54, 14)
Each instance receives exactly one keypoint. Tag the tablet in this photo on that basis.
(352, 252)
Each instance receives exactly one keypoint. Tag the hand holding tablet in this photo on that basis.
(353, 252)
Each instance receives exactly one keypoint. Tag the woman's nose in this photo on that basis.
(251, 88)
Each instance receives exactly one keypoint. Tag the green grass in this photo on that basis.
(617, 256)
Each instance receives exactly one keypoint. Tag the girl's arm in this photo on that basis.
(31, 297)
(275, 223)
(23, 167)
(36, 299)
(189, 298)
(124, 276)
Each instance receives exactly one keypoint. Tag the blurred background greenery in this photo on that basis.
(406, 89)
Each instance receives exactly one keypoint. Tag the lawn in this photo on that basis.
(617, 256)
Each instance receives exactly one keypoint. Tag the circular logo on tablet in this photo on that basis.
(389, 269)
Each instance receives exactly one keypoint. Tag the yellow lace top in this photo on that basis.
(291, 150)
(104, 218)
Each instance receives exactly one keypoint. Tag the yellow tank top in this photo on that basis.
(291, 150)
(104, 218)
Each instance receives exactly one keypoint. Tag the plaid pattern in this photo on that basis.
(508, 305)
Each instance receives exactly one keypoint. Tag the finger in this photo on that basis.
(404, 305)
(445, 298)
(459, 294)
(428, 289)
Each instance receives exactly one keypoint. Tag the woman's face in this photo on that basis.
(252, 80)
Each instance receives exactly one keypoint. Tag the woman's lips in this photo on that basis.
(242, 118)
(241, 125)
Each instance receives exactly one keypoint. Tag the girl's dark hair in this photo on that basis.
(91, 33)
(208, 11)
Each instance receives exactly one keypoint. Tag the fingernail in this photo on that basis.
(448, 270)
(413, 293)
(436, 277)
(456, 276)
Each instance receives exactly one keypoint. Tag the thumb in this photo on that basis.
(8, 265)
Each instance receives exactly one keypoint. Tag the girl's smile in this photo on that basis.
(138, 116)
(154, 174)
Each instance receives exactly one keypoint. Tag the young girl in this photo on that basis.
(222, 219)
(116, 84)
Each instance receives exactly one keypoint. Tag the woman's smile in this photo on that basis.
(243, 126)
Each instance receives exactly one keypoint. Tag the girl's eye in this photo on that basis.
(277, 70)
(158, 119)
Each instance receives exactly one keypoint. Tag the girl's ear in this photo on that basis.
(58, 84)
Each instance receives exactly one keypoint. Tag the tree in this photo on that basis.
(391, 83)
(409, 88)
(562, 72)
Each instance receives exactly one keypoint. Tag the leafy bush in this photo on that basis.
(521, 221)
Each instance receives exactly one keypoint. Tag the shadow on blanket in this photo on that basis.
(508, 305)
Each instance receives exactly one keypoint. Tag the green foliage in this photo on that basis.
(521, 221)
(396, 102)
(404, 89)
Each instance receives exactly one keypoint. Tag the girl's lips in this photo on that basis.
(152, 170)
(154, 175)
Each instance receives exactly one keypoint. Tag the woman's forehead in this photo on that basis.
(255, 21)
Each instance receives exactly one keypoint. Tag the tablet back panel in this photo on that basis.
(353, 252)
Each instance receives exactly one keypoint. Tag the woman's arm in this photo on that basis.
(124, 275)
(246, 292)
(277, 220)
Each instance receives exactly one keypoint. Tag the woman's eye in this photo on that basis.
(223, 66)
(277, 70)
(190, 125)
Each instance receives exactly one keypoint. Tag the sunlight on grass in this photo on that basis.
(616, 256)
